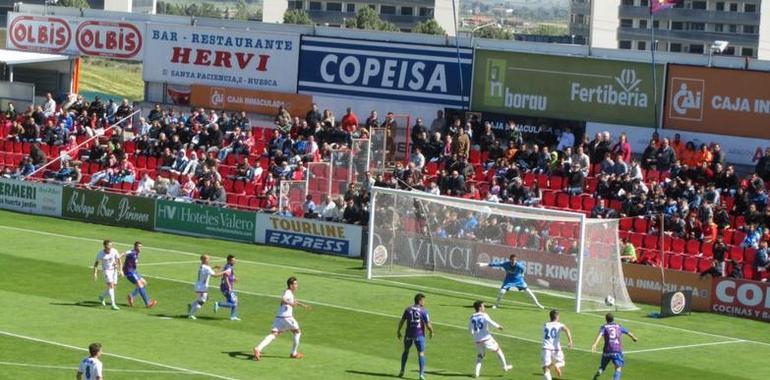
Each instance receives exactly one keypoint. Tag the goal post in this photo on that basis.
(416, 233)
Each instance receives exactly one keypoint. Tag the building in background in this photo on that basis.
(405, 14)
(691, 27)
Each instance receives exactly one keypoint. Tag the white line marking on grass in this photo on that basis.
(685, 346)
(171, 263)
(190, 371)
(435, 290)
(108, 370)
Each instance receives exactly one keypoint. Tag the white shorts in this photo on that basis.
(202, 296)
(284, 324)
(487, 344)
(552, 357)
(111, 276)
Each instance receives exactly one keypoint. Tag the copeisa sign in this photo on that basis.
(75, 36)
(216, 57)
(385, 70)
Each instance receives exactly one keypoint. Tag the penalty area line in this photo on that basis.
(50, 342)
(108, 370)
(684, 346)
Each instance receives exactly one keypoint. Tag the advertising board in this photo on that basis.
(108, 208)
(645, 285)
(199, 220)
(30, 197)
(719, 101)
(220, 57)
(385, 70)
(741, 298)
(565, 87)
(76, 36)
(260, 102)
(309, 234)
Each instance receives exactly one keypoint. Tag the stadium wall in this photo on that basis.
(179, 217)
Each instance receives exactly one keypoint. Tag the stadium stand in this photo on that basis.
(707, 212)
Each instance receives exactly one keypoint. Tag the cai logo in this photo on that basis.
(686, 101)
(217, 97)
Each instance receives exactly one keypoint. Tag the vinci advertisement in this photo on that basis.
(571, 88)
(719, 101)
(219, 57)
(741, 298)
(385, 70)
(309, 234)
(76, 36)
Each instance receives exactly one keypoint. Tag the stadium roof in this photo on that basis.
(15, 57)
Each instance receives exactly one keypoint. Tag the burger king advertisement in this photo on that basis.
(76, 36)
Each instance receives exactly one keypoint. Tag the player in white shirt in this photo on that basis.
(552, 354)
(110, 263)
(284, 321)
(205, 272)
(479, 328)
(91, 367)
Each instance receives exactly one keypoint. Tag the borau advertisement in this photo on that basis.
(562, 87)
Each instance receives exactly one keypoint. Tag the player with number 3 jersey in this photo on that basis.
(613, 346)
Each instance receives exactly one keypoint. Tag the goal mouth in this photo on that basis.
(565, 254)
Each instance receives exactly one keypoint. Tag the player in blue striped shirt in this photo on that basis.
(130, 262)
(613, 346)
(417, 320)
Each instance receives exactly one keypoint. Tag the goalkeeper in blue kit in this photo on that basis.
(514, 277)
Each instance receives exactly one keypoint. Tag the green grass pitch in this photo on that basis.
(49, 314)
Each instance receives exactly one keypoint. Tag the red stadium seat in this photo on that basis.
(748, 255)
(690, 264)
(626, 224)
(692, 247)
(529, 179)
(674, 261)
(557, 183)
(738, 237)
(549, 198)
(736, 253)
(636, 239)
(651, 241)
(576, 202)
(562, 200)
(239, 187)
(727, 235)
(641, 225)
(704, 264)
(707, 249)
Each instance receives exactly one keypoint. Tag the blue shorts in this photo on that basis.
(520, 285)
(230, 296)
(615, 357)
(133, 277)
(419, 343)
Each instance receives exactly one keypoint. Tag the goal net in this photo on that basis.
(416, 233)
(319, 180)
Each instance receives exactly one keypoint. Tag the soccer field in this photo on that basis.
(49, 314)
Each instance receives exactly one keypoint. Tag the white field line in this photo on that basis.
(190, 371)
(170, 263)
(108, 370)
(435, 290)
(685, 346)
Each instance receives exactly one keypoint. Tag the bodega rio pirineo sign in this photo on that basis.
(108, 208)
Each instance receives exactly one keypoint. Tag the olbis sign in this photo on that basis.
(75, 36)
(570, 88)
